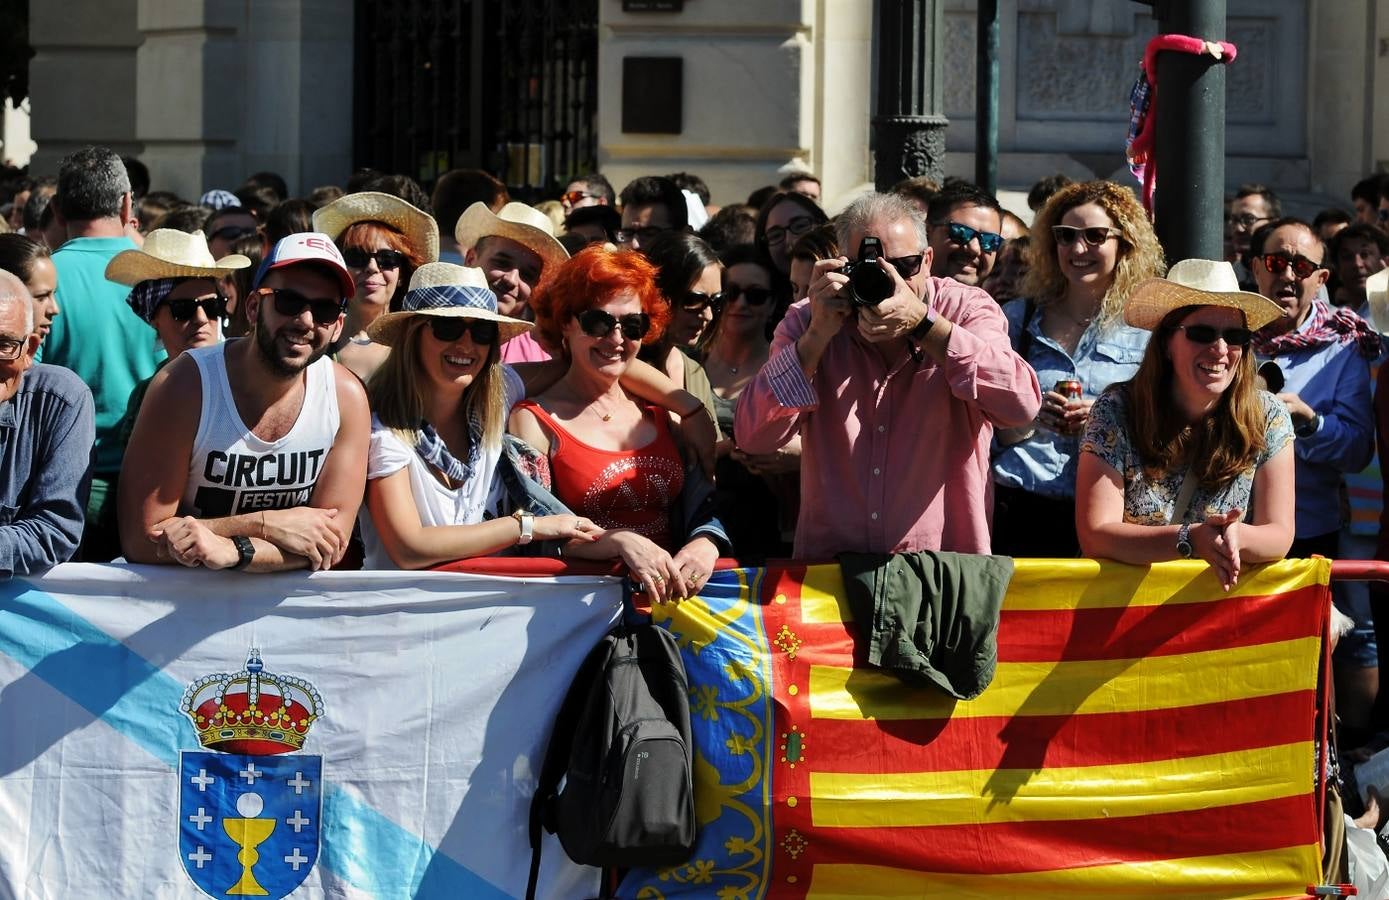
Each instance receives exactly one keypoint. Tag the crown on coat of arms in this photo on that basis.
(252, 711)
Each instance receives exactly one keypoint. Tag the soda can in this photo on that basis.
(1070, 388)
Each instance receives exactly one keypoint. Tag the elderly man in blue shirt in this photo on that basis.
(47, 427)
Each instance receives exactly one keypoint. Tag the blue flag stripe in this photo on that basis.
(132, 696)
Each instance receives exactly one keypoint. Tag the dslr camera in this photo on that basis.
(869, 285)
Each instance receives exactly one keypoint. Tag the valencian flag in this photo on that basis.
(1146, 734)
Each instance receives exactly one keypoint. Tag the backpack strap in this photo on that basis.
(559, 749)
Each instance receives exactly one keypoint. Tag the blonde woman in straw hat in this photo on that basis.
(1189, 459)
(176, 288)
(441, 401)
(383, 240)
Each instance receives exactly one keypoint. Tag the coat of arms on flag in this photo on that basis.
(250, 805)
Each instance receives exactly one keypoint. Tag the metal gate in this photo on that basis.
(510, 87)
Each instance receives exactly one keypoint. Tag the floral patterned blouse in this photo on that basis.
(1151, 501)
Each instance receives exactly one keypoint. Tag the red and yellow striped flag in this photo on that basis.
(1146, 734)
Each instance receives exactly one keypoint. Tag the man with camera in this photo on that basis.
(895, 380)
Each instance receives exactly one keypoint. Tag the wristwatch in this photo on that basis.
(1184, 548)
(919, 332)
(1308, 428)
(527, 523)
(245, 551)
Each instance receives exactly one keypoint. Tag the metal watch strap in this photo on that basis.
(245, 551)
(1184, 547)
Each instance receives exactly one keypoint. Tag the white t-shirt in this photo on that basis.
(481, 497)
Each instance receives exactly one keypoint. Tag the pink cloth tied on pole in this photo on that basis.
(1142, 140)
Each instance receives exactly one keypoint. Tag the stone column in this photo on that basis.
(909, 127)
(82, 78)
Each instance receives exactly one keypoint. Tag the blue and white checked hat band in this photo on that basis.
(448, 290)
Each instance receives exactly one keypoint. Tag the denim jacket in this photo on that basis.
(46, 434)
(1045, 463)
(696, 515)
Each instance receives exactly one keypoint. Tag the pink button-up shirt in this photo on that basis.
(893, 461)
(523, 349)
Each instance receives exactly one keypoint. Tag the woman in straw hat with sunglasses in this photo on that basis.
(383, 240)
(440, 402)
(177, 289)
(1189, 459)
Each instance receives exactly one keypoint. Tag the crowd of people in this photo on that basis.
(378, 376)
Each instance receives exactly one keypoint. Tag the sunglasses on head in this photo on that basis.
(448, 330)
(231, 233)
(291, 303)
(1277, 262)
(599, 324)
(1093, 236)
(698, 301)
(1207, 334)
(989, 241)
(358, 258)
(213, 306)
(752, 295)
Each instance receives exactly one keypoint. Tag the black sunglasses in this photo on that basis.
(1302, 266)
(599, 324)
(214, 307)
(1207, 334)
(989, 241)
(1094, 236)
(908, 266)
(231, 232)
(449, 330)
(291, 303)
(643, 235)
(698, 301)
(753, 295)
(358, 258)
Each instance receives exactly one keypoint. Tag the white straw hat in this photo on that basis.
(170, 253)
(420, 230)
(1197, 282)
(528, 227)
(448, 291)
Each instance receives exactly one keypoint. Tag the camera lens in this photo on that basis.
(869, 284)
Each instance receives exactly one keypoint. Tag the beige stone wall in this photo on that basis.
(765, 83)
(1342, 114)
(203, 91)
(1379, 79)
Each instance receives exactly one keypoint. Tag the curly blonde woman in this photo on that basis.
(1090, 247)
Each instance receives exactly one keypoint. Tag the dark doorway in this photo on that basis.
(508, 87)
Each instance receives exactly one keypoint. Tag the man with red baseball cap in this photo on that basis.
(252, 454)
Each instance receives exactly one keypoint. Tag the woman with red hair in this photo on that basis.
(612, 458)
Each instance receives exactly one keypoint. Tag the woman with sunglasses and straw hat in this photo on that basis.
(176, 288)
(383, 240)
(1091, 245)
(1189, 459)
(440, 403)
(613, 459)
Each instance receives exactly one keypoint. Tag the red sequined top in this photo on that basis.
(631, 489)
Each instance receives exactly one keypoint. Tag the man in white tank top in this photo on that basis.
(252, 454)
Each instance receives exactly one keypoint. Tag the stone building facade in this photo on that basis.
(206, 91)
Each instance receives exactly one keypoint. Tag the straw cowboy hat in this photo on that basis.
(528, 227)
(447, 291)
(1197, 282)
(419, 228)
(1377, 298)
(170, 253)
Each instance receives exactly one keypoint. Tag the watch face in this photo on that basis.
(1184, 548)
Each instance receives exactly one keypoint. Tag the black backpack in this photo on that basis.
(621, 745)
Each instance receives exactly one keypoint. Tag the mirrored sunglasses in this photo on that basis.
(599, 324)
(989, 241)
(1277, 262)
(572, 197)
